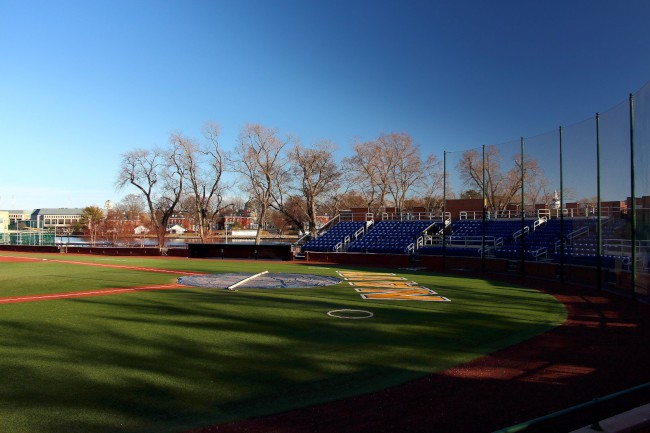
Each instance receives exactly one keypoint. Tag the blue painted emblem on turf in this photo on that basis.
(263, 281)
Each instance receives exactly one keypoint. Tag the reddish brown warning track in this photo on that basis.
(132, 268)
(82, 294)
(16, 259)
(86, 293)
(12, 259)
(602, 348)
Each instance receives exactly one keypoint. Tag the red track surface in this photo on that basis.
(17, 259)
(604, 347)
(86, 293)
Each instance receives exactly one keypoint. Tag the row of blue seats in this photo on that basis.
(334, 236)
(391, 237)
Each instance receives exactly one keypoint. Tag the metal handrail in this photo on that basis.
(595, 403)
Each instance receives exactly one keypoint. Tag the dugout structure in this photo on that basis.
(242, 251)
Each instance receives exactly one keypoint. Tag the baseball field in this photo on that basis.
(117, 344)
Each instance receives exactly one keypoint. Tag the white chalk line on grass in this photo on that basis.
(245, 280)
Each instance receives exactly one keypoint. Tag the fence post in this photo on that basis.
(562, 235)
(523, 213)
(633, 194)
(595, 425)
(599, 226)
(483, 260)
(444, 207)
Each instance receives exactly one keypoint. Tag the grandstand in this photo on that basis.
(402, 236)
(546, 239)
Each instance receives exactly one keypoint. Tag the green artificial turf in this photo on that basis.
(170, 360)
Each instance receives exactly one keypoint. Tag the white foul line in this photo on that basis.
(232, 286)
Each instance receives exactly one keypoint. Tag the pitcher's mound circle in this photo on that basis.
(264, 281)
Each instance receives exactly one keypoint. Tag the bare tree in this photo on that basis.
(389, 166)
(501, 189)
(366, 168)
(407, 173)
(259, 160)
(315, 172)
(280, 221)
(203, 167)
(433, 181)
(291, 207)
(131, 206)
(158, 175)
(344, 194)
(237, 203)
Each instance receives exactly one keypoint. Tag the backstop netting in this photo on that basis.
(577, 197)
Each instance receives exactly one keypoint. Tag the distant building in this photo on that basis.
(18, 218)
(183, 220)
(140, 230)
(56, 218)
(4, 221)
(176, 229)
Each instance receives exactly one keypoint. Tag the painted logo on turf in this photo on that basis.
(388, 286)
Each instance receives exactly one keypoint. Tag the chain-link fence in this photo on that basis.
(577, 198)
(28, 237)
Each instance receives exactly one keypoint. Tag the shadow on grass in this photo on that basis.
(158, 362)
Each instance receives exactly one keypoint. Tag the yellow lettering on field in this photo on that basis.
(379, 278)
(395, 297)
(413, 291)
(363, 274)
(388, 284)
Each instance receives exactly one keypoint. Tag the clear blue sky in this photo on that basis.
(82, 82)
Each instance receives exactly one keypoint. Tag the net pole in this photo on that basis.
(444, 207)
(633, 194)
(599, 226)
(523, 212)
(483, 259)
(562, 238)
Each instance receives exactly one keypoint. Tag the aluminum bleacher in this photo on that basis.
(337, 237)
(392, 237)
